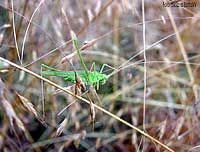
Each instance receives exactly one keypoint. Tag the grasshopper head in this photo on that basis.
(102, 78)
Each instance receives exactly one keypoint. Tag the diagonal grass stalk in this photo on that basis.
(85, 100)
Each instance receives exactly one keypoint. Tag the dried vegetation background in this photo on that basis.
(42, 32)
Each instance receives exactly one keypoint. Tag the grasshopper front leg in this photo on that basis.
(95, 74)
(106, 65)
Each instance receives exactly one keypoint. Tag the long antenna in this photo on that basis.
(75, 43)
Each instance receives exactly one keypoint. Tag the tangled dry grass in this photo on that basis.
(150, 101)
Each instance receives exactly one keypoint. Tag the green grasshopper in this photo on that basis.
(81, 78)
(91, 78)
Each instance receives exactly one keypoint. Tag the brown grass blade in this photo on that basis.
(11, 114)
(27, 105)
(83, 99)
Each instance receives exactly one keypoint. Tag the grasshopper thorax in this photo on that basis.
(96, 77)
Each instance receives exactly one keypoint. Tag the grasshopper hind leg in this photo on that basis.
(79, 84)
